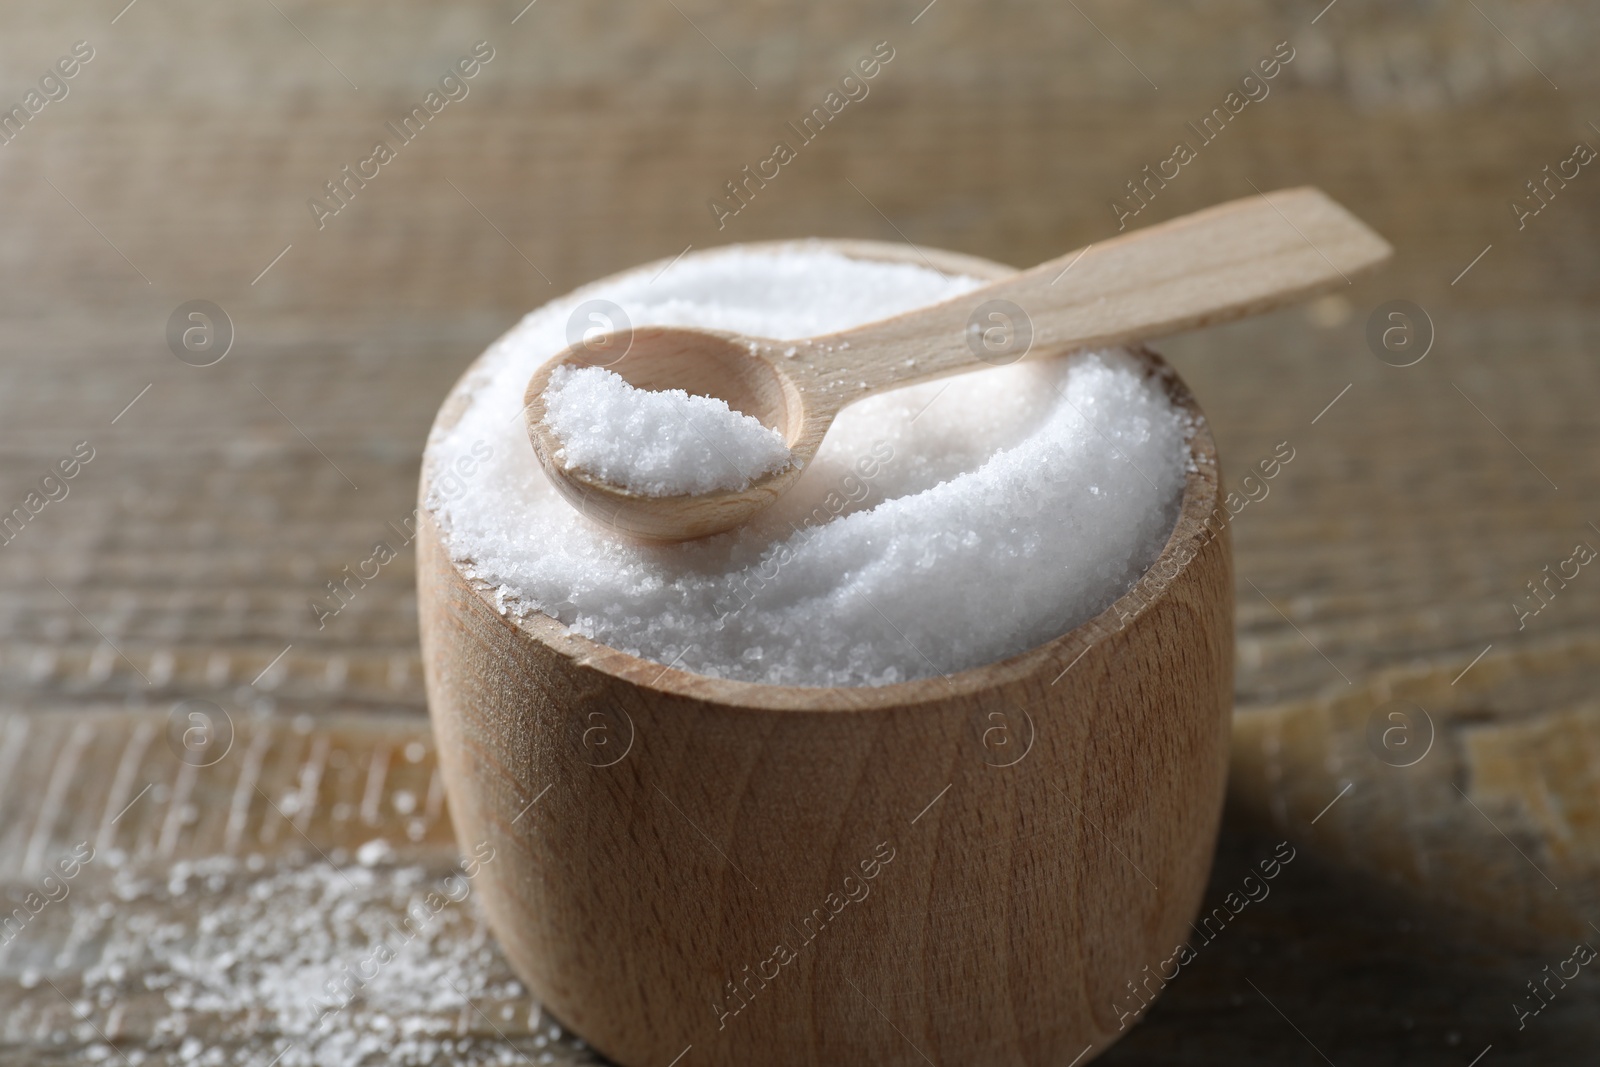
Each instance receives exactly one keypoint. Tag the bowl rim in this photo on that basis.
(1201, 497)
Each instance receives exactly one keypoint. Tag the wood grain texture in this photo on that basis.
(1478, 796)
(760, 869)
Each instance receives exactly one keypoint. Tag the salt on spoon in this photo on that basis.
(656, 443)
(1223, 263)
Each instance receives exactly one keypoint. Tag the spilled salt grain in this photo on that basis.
(303, 965)
(656, 443)
(375, 852)
(939, 527)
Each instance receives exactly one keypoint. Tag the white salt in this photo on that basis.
(940, 527)
(284, 966)
(656, 443)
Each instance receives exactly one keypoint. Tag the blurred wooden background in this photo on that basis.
(1383, 565)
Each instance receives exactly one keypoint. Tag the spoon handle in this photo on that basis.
(1236, 259)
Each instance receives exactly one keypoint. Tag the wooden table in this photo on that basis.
(1382, 565)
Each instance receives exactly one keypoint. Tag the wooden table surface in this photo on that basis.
(1383, 564)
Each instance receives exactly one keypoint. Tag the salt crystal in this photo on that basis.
(912, 545)
(656, 443)
(375, 852)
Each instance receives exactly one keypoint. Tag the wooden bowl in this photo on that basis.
(990, 868)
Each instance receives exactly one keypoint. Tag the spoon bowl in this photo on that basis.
(742, 372)
(1223, 263)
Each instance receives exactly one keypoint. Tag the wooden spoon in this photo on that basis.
(1226, 262)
